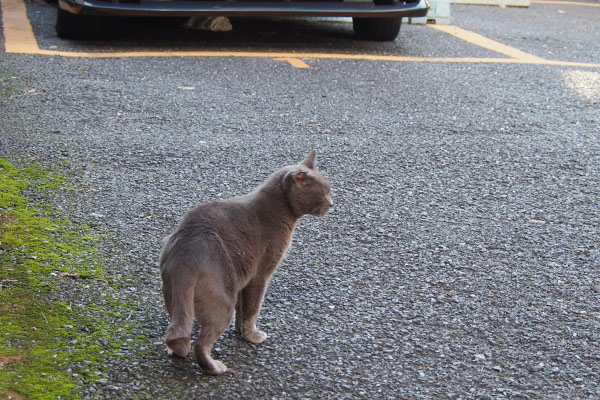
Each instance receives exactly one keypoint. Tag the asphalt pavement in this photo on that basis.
(461, 259)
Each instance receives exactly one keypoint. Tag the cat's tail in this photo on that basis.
(185, 263)
(178, 291)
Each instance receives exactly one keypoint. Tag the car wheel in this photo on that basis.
(75, 26)
(380, 29)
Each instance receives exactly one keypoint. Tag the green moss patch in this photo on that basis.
(47, 347)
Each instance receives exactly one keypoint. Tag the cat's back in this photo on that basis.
(223, 225)
(231, 220)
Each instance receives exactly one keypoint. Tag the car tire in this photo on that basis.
(379, 29)
(75, 26)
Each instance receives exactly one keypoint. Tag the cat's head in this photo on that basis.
(308, 191)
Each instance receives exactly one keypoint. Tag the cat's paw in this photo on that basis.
(256, 336)
(178, 347)
(216, 368)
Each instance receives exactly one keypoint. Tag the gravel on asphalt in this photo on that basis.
(461, 259)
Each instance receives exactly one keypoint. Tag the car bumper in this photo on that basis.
(182, 8)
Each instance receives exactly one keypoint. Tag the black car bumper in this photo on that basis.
(246, 8)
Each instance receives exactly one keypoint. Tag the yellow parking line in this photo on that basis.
(487, 43)
(337, 56)
(18, 33)
(568, 3)
(19, 38)
(295, 62)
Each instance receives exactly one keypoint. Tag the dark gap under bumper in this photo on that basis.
(183, 8)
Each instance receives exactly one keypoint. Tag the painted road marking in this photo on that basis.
(295, 62)
(20, 39)
(482, 41)
(568, 3)
(18, 33)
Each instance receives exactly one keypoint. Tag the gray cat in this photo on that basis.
(223, 253)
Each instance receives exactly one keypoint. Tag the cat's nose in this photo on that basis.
(329, 201)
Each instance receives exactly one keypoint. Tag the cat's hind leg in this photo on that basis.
(214, 310)
(179, 300)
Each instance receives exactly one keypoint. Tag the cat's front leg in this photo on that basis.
(247, 310)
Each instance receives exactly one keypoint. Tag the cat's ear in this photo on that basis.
(311, 160)
(299, 177)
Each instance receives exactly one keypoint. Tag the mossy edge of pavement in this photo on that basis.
(49, 348)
